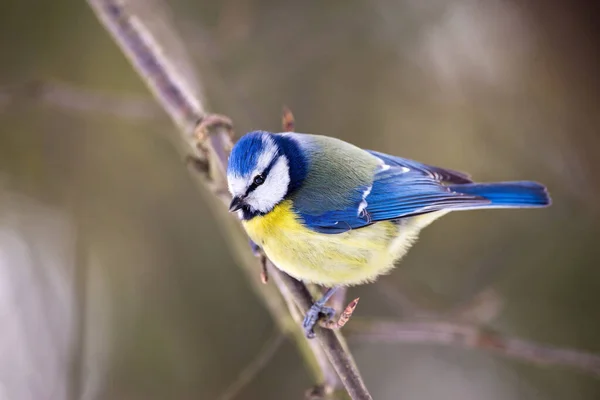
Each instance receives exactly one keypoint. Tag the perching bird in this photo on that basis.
(327, 212)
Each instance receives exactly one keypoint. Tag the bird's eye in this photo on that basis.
(259, 180)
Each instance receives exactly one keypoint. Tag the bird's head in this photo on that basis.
(263, 169)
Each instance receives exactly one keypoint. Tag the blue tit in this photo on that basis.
(328, 212)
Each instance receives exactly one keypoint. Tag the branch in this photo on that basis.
(472, 337)
(188, 112)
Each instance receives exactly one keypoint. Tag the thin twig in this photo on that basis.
(472, 337)
(344, 317)
(70, 98)
(264, 272)
(401, 302)
(187, 111)
(482, 308)
(254, 367)
(288, 122)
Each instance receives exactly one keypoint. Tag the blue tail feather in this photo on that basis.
(507, 194)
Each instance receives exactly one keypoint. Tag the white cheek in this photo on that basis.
(266, 196)
(237, 185)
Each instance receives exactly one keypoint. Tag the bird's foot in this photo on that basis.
(316, 311)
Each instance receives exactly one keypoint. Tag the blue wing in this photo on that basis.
(441, 174)
(402, 192)
(400, 188)
(403, 188)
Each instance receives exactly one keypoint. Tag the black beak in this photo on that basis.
(236, 204)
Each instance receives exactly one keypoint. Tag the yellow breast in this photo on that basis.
(347, 258)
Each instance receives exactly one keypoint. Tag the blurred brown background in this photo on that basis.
(108, 250)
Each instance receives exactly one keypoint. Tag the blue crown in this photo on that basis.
(246, 152)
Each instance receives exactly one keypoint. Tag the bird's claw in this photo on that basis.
(313, 315)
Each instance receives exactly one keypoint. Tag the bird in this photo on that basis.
(330, 213)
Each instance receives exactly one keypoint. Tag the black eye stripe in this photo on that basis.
(264, 175)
